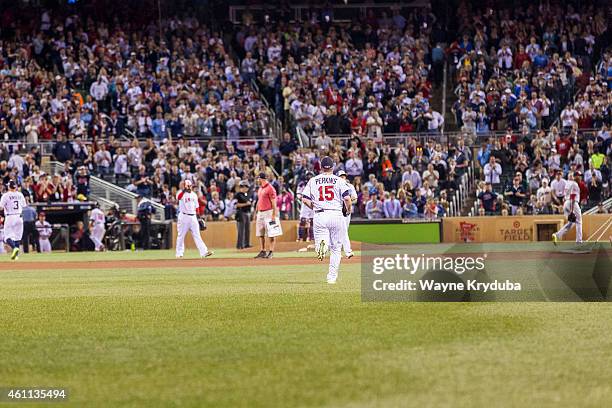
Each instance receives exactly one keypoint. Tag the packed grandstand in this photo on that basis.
(428, 116)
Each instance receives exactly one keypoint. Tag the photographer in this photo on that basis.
(145, 211)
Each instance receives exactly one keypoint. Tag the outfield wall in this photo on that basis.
(515, 228)
(449, 230)
(223, 234)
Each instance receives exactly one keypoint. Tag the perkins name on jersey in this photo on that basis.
(326, 180)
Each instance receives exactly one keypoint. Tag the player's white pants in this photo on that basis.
(330, 227)
(568, 226)
(346, 241)
(13, 228)
(45, 245)
(97, 235)
(189, 223)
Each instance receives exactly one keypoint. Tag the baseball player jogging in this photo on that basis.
(572, 211)
(44, 232)
(328, 195)
(188, 221)
(13, 203)
(96, 226)
(346, 242)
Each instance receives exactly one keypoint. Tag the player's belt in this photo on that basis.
(320, 211)
(187, 214)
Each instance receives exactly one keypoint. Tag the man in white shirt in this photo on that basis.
(103, 160)
(99, 89)
(569, 117)
(188, 221)
(557, 187)
(492, 172)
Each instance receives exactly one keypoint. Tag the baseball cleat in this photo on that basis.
(15, 254)
(331, 281)
(350, 255)
(179, 256)
(321, 251)
(261, 254)
(206, 255)
(555, 240)
(269, 255)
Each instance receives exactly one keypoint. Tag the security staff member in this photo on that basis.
(243, 210)
(30, 235)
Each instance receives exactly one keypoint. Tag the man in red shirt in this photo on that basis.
(584, 190)
(563, 145)
(265, 213)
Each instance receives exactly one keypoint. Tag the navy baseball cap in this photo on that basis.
(327, 163)
(12, 184)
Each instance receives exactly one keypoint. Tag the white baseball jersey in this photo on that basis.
(97, 216)
(43, 228)
(12, 203)
(326, 191)
(575, 208)
(352, 191)
(188, 202)
(571, 187)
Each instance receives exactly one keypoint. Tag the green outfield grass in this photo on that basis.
(278, 336)
(230, 253)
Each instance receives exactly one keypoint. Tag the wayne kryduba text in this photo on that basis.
(443, 287)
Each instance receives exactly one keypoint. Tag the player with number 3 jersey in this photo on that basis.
(13, 203)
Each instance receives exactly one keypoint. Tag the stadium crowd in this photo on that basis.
(365, 78)
(83, 86)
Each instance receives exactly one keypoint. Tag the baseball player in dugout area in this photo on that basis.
(266, 215)
(12, 204)
(188, 221)
(330, 198)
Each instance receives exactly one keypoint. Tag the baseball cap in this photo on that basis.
(243, 183)
(42, 213)
(327, 162)
(341, 173)
(12, 184)
(262, 175)
(188, 183)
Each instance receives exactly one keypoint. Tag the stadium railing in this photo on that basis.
(341, 12)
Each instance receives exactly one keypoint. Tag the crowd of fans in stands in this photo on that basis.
(80, 79)
(364, 78)
(517, 68)
(83, 85)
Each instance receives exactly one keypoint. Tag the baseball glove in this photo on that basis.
(571, 217)
(202, 224)
(345, 210)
